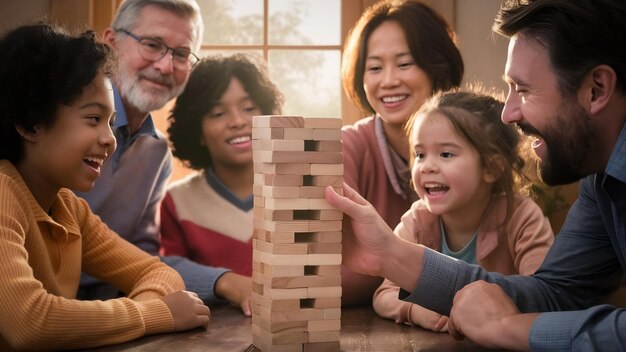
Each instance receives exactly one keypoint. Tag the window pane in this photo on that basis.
(304, 22)
(232, 22)
(209, 52)
(309, 79)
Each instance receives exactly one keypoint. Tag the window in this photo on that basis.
(301, 40)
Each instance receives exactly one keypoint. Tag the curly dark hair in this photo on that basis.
(41, 67)
(430, 39)
(208, 81)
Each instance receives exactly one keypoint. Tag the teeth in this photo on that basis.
(92, 159)
(433, 185)
(241, 139)
(394, 99)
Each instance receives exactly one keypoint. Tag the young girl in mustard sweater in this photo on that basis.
(56, 112)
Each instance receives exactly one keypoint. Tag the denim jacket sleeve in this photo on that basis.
(581, 268)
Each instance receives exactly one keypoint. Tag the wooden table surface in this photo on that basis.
(361, 330)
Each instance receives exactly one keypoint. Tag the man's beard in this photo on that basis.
(147, 99)
(568, 142)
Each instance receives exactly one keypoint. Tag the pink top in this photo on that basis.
(369, 169)
(519, 247)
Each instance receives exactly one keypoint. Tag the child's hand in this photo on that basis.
(428, 319)
(237, 289)
(187, 310)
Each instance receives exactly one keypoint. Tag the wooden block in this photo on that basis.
(286, 259)
(276, 191)
(323, 259)
(327, 169)
(282, 248)
(324, 325)
(259, 202)
(332, 313)
(293, 203)
(293, 315)
(325, 134)
(282, 169)
(299, 281)
(257, 266)
(317, 292)
(274, 237)
(283, 157)
(283, 226)
(279, 179)
(283, 270)
(269, 133)
(257, 288)
(324, 248)
(275, 327)
(322, 122)
(275, 215)
(279, 304)
(328, 346)
(315, 191)
(297, 133)
(330, 214)
(278, 121)
(292, 145)
(297, 226)
(323, 336)
(285, 293)
(323, 225)
(279, 338)
(323, 146)
(312, 203)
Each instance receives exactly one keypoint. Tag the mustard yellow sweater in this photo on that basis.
(41, 257)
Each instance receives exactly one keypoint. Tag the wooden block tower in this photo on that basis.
(297, 234)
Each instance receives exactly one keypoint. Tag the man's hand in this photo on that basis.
(366, 237)
(484, 313)
(187, 310)
(236, 289)
(370, 246)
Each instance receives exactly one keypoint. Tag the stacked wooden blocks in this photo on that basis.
(297, 234)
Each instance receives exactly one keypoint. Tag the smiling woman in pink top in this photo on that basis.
(398, 54)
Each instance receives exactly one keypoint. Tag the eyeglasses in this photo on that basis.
(153, 50)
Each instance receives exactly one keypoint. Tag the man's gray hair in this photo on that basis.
(128, 12)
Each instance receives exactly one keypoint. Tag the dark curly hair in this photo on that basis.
(41, 67)
(207, 83)
(430, 39)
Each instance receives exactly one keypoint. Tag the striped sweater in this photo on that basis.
(41, 257)
(199, 223)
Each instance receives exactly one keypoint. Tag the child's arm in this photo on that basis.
(386, 302)
(114, 260)
(530, 236)
(40, 263)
